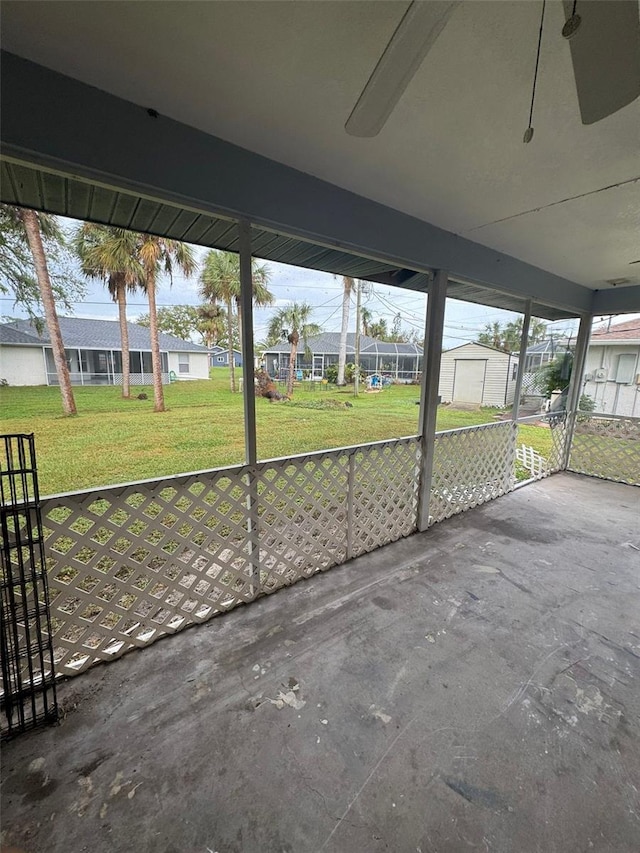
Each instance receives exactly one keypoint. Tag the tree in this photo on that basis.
(159, 254)
(220, 280)
(34, 225)
(366, 318)
(181, 321)
(17, 274)
(212, 323)
(347, 287)
(111, 254)
(507, 337)
(293, 322)
(379, 329)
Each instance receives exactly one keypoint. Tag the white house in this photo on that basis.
(613, 368)
(475, 373)
(94, 354)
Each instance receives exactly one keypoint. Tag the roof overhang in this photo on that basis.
(73, 150)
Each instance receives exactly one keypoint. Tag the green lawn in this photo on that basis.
(114, 440)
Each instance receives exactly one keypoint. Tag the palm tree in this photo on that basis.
(159, 254)
(35, 226)
(211, 323)
(347, 287)
(220, 279)
(365, 318)
(111, 254)
(293, 322)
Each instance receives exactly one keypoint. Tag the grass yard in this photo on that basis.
(114, 440)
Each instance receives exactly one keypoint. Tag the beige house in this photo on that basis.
(613, 368)
(475, 373)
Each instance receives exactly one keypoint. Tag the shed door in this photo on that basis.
(469, 380)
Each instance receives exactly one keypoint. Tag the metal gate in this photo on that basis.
(28, 695)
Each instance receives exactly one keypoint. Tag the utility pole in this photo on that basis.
(356, 377)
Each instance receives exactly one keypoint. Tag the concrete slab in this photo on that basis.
(475, 687)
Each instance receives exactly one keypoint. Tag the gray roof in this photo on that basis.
(92, 334)
(549, 345)
(503, 352)
(329, 343)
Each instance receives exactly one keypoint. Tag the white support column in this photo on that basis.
(248, 361)
(434, 330)
(524, 342)
(575, 385)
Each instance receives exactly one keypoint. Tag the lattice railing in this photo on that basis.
(471, 466)
(608, 447)
(553, 435)
(129, 564)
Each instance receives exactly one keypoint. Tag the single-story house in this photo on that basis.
(219, 357)
(475, 373)
(94, 354)
(613, 368)
(398, 361)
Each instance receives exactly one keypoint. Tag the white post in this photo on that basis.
(248, 361)
(356, 375)
(434, 329)
(575, 385)
(524, 342)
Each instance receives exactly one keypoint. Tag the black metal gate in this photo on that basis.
(28, 696)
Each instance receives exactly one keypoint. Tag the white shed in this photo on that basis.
(475, 373)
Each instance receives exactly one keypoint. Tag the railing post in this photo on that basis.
(351, 482)
(434, 329)
(575, 385)
(524, 340)
(249, 398)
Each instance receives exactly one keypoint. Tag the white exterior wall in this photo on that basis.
(198, 365)
(610, 396)
(22, 365)
(497, 376)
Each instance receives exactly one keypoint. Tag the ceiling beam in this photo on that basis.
(617, 300)
(59, 123)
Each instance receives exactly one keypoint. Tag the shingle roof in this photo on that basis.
(627, 331)
(506, 354)
(329, 343)
(92, 334)
(549, 345)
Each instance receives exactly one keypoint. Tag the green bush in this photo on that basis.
(331, 373)
(350, 373)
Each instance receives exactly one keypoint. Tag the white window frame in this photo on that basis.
(625, 368)
(183, 362)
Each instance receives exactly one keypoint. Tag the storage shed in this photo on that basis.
(475, 373)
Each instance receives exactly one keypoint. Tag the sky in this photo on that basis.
(323, 291)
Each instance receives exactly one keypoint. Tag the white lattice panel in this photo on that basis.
(132, 563)
(302, 516)
(386, 481)
(536, 465)
(471, 466)
(608, 448)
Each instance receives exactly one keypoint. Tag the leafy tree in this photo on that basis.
(29, 232)
(17, 273)
(181, 321)
(379, 329)
(220, 281)
(292, 323)
(366, 318)
(110, 254)
(212, 323)
(507, 336)
(158, 254)
(347, 287)
(556, 375)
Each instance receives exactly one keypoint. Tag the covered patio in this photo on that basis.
(474, 687)
(466, 674)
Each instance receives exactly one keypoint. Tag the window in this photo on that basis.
(626, 368)
(514, 372)
(220, 359)
(183, 362)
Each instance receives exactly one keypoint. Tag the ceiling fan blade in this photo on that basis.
(416, 33)
(605, 51)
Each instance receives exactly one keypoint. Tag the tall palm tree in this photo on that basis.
(211, 323)
(347, 287)
(156, 255)
(110, 254)
(366, 318)
(35, 226)
(220, 280)
(293, 322)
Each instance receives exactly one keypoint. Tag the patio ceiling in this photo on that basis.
(279, 79)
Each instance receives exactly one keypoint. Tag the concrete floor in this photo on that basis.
(473, 688)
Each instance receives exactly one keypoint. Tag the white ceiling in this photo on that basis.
(280, 79)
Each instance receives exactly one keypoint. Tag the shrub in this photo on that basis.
(331, 373)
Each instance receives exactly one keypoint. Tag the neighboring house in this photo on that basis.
(475, 373)
(219, 357)
(612, 368)
(398, 361)
(94, 354)
(539, 355)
